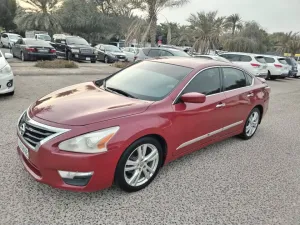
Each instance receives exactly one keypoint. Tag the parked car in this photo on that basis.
(120, 44)
(293, 66)
(213, 57)
(130, 52)
(109, 53)
(256, 64)
(6, 75)
(123, 128)
(74, 48)
(33, 49)
(8, 39)
(277, 67)
(147, 53)
(40, 35)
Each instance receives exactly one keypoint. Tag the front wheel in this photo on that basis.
(139, 164)
(23, 58)
(251, 124)
(106, 59)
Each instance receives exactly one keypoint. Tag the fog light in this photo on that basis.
(9, 84)
(76, 178)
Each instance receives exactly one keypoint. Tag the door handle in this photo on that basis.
(250, 95)
(220, 105)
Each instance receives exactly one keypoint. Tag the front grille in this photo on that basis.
(86, 50)
(31, 133)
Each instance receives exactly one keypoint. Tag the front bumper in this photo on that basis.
(7, 83)
(84, 57)
(44, 164)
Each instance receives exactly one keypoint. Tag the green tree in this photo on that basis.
(7, 14)
(40, 15)
(153, 8)
(206, 29)
(234, 22)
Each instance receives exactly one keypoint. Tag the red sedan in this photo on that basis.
(124, 128)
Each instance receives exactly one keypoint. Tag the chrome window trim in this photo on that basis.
(58, 131)
(208, 135)
(212, 67)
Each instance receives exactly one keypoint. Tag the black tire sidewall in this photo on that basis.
(244, 134)
(119, 173)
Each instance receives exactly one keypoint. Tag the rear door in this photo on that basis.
(240, 98)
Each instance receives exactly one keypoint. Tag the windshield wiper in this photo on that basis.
(118, 91)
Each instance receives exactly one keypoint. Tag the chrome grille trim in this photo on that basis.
(86, 50)
(34, 142)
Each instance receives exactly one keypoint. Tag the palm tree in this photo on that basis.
(284, 41)
(293, 46)
(234, 22)
(39, 15)
(206, 29)
(153, 8)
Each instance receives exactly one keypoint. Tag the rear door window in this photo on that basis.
(165, 53)
(146, 51)
(154, 53)
(234, 57)
(245, 58)
(282, 61)
(269, 60)
(233, 79)
(260, 59)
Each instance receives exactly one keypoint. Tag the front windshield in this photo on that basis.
(112, 48)
(150, 81)
(45, 37)
(76, 41)
(14, 36)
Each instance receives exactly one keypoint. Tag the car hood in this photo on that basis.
(84, 104)
(117, 53)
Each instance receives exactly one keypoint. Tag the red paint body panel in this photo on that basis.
(85, 108)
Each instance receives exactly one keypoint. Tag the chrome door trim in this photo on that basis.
(212, 67)
(208, 135)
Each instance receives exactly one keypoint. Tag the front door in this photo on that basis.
(197, 124)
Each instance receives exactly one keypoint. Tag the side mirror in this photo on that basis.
(8, 56)
(193, 97)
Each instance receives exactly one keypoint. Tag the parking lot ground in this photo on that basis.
(232, 182)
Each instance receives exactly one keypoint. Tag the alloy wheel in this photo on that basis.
(141, 165)
(105, 59)
(252, 123)
(22, 56)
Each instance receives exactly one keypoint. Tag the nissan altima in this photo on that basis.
(124, 128)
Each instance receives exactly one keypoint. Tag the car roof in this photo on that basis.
(242, 53)
(189, 62)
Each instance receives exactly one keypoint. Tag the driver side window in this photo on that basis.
(208, 82)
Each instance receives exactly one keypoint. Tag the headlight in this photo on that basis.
(94, 142)
(75, 50)
(6, 69)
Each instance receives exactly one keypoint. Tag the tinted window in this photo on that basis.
(269, 60)
(233, 57)
(37, 42)
(165, 53)
(260, 59)
(154, 53)
(233, 79)
(146, 51)
(207, 82)
(111, 48)
(249, 79)
(149, 80)
(19, 41)
(245, 58)
(226, 56)
(76, 41)
(282, 61)
(179, 53)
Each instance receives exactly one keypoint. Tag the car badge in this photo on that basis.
(23, 128)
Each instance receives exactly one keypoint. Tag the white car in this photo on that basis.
(130, 52)
(8, 39)
(253, 63)
(6, 75)
(277, 67)
(298, 74)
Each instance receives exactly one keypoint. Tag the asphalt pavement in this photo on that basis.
(231, 182)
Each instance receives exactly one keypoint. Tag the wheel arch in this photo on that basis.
(261, 110)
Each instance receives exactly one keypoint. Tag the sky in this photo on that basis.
(272, 15)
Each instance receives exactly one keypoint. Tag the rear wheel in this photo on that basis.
(139, 164)
(23, 58)
(251, 124)
(268, 76)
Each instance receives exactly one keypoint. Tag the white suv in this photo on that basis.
(8, 39)
(6, 75)
(277, 67)
(255, 64)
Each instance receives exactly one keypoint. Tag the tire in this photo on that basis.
(23, 58)
(106, 59)
(269, 76)
(69, 56)
(93, 61)
(11, 93)
(247, 134)
(139, 175)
